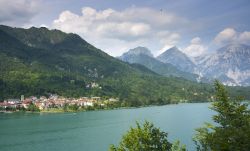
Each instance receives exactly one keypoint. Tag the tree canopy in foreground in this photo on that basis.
(146, 138)
(231, 131)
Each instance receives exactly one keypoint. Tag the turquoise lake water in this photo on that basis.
(96, 130)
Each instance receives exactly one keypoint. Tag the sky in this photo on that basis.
(196, 27)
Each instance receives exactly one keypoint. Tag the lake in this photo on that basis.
(96, 130)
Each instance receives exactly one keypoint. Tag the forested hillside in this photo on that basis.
(38, 61)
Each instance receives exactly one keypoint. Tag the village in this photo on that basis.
(55, 103)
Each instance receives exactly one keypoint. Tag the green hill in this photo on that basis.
(38, 61)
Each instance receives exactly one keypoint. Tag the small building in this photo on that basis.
(22, 98)
(40, 105)
(6, 104)
(13, 101)
(113, 100)
(26, 103)
(195, 93)
(43, 98)
(88, 103)
(96, 98)
(53, 96)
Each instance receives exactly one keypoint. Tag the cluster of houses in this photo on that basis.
(53, 101)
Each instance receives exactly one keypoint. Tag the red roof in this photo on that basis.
(5, 104)
(27, 101)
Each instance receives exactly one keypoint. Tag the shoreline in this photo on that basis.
(55, 110)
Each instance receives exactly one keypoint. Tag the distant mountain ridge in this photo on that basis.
(230, 64)
(138, 51)
(143, 56)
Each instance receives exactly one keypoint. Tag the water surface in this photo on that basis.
(96, 130)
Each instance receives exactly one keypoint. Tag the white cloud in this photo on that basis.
(230, 35)
(119, 29)
(168, 40)
(126, 30)
(44, 25)
(226, 36)
(196, 48)
(17, 12)
(196, 40)
(244, 37)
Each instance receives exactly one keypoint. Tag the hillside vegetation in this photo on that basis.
(38, 61)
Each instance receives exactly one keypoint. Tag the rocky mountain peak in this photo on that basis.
(230, 64)
(177, 58)
(234, 48)
(138, 51)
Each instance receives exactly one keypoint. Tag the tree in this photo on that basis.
(65, 107)
(73, 107)
(176, 146)
(144, 138)
(33, 108)
(232, 129)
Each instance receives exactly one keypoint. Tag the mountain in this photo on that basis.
(143, 56)
(137, 51)
(177, 58)
(230, 64)
(39, 61)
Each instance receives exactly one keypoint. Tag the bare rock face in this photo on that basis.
(229, 64)
(177, 58)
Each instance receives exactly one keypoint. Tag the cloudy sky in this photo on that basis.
(115, 26)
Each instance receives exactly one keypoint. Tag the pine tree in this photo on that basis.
(231, 131)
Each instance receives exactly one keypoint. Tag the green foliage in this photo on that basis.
(73, 107)
(89, 108)
(10, 108)
(143, 138)
(232, 129)
(33, 108)
(65, 107)
(176, 146)
(2, 108)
